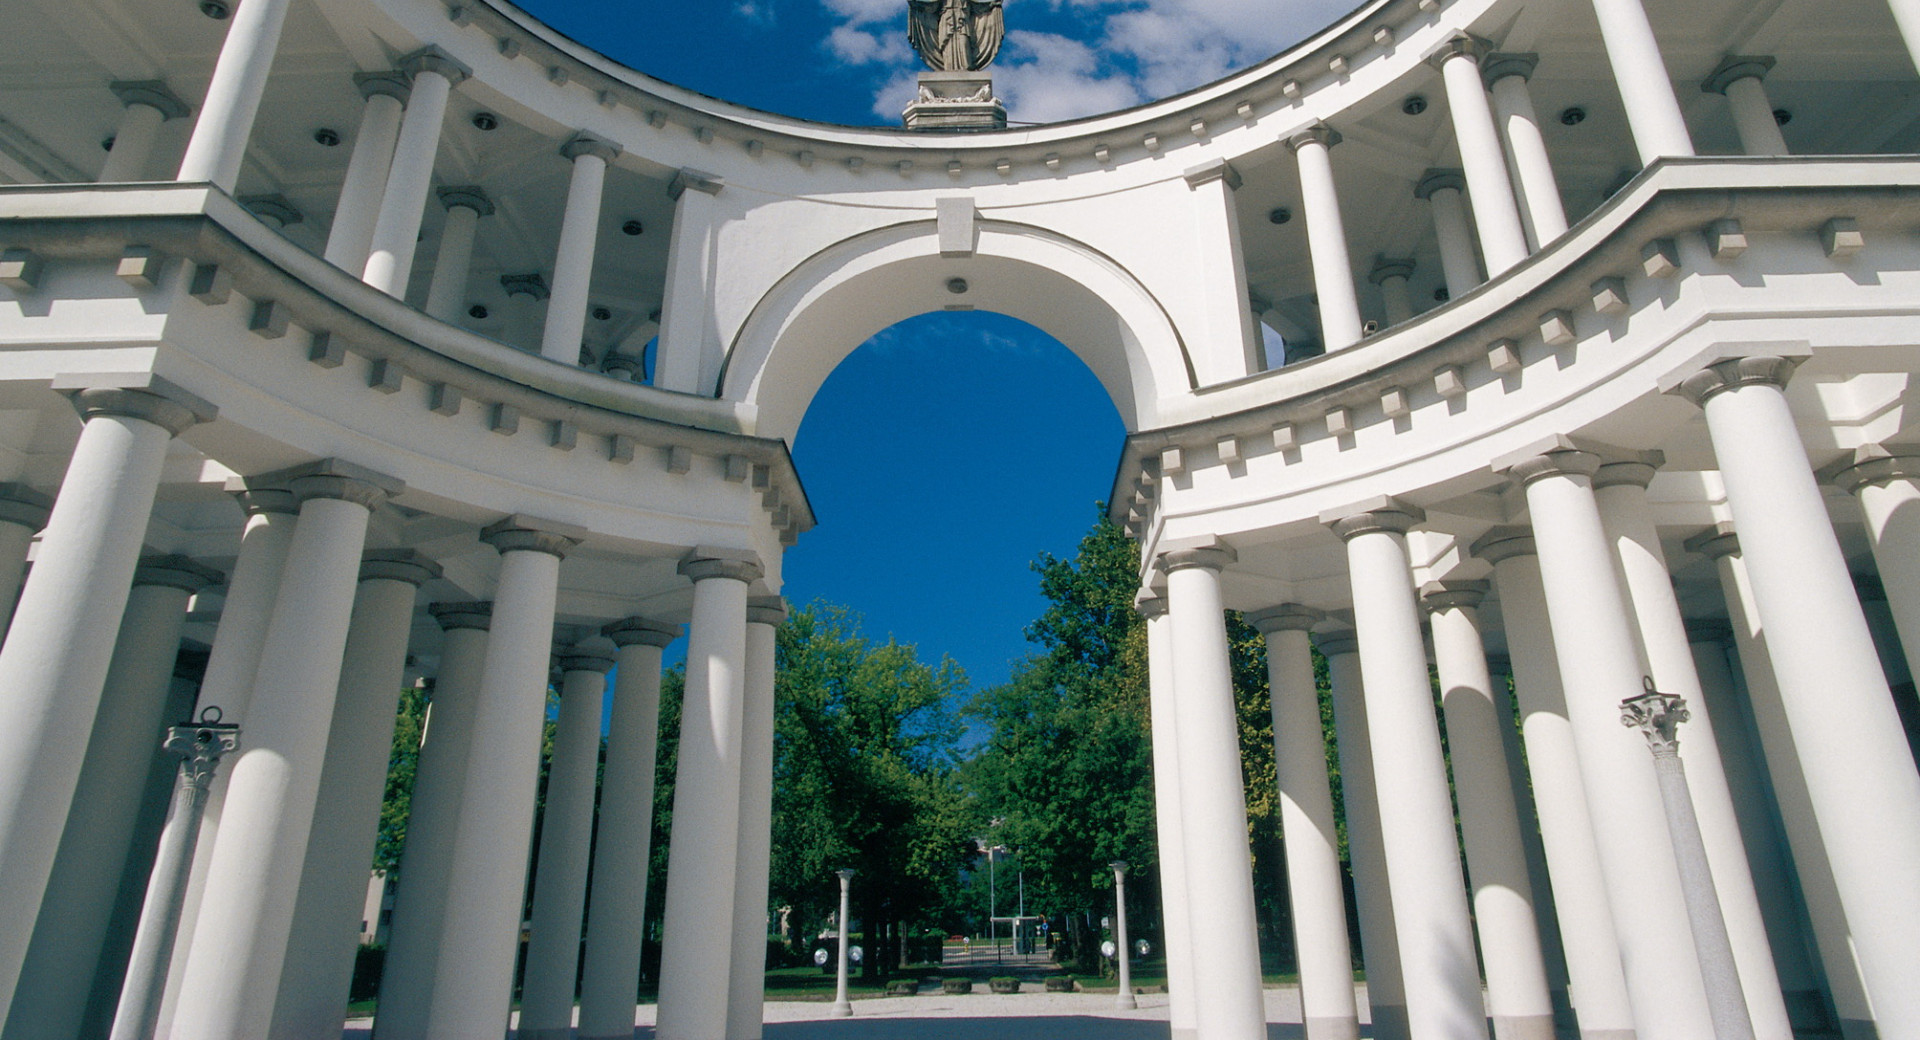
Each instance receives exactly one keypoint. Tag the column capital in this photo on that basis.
(1715, 542)
(1709, 630)
(584, 143)
(473, 197)
(1214, 557)
(1319, 133)
(1389, 515)
(153, 93)
(1871, 465)
(337, 478)
(437, 61)
(1658, 717)
(1385, 267)
(1736, 67)
(1436, 596)
(476, 615)
(275, 207)
(586, 656)
(1459, 45)
(1150, 603)
(414, 568)
(1504, 543)
(262, 494)
(1568, 462)
(174, 571)
(1440, 180)
(1217, 170)
(1287, 617)
(391, 84)
(694, 180)
(20, 504)
(1733, 373)
(766, 610)
(533, 284)
(1333, 644)
(1636, 472)
(639, 631)
(1498, 65)
(706, 561)
(141, 395)
(521, 533)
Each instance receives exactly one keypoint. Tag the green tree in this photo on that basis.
(402, 763)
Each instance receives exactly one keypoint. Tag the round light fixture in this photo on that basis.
(326, 137)
(601, 314)
(633, 227)
(478, 312)
(1280, 216)
(956, 286)
(485, 121)
(216, 9)
(1441, 295)
(106, 144)
(1573, 116)
(1414, 105)
(1782, 117)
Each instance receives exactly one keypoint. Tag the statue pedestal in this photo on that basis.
(956, 101)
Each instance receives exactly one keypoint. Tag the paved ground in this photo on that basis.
(979, 1016)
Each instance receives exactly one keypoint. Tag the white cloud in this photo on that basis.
(759, 12)
(1131, 51)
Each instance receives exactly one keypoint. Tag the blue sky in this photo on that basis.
(945, 454)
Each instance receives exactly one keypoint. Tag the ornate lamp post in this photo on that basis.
(1125, 999)
(200, 747)
(842, 1004)
(1657, 716)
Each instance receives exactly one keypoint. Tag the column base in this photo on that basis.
(955, 101)
(1523, 1027)
(1390, 1022)
(1188, 1033)
(1608, 1034)
(842, 1010)
(1341, 1028)
(1125, 1002)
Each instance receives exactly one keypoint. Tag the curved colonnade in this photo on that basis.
(445, 349)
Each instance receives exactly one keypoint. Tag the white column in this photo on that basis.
(1886, 482)
(1445, 191)
(1176, 931)
(1541, 210)
(1502, 241)
(579, 236)
(1518, 1000)
(1596, 980)
(1430, 916)
(219, 141)
(1739, 77)
(696, 933)
(318, 969)
(622, 845)
(1837, 703)
(1819, 890)
(1309, 838)
(351, 236)
(686, 312)
(1391, 276)
(1906, 14)
(1326, 236)
(231, 979)
(439, 779)
(396, 229)
(1600, 667)
(487, 872)
(747, 993)
(54, 665)
(1226, 953)
(1124, 999)
(566, 834)
(1653, 112)
(453, 264)
(149, 104)
(23, 512)
(70, 934)
(252, 588)
(1379, 949)
(1766, 849)
(1219, 276)
(1620, 490)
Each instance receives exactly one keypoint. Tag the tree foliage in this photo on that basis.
(402, 764)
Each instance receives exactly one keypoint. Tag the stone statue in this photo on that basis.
(956, 35)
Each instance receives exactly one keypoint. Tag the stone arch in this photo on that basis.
(823, 309)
